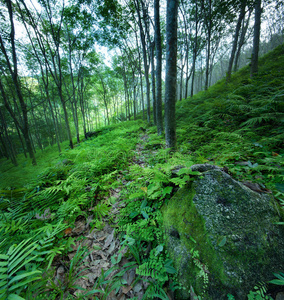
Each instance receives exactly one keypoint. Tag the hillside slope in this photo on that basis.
(240, 125)
(58, 224)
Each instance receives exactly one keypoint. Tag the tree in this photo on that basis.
(236, 37)
(144, 48)
(171, 74)
(158, 44)
(256, 36)
(12, 67)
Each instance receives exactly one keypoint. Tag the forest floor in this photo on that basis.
(120, 180)
(106, 258)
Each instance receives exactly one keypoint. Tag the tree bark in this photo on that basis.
(242, 40)
(14, 74)
(256, 37)
(158, 43)
(171, 74)
(236, 38)
(146, 65)
(153, 83)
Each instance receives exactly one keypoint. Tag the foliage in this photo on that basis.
(238, 126)
(279, 280)
(17, 269)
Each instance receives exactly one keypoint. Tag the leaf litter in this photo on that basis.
(102, 245)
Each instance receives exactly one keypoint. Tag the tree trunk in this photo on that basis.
(153, 82)
(14, 74)
(146, 66)
(242, 41)
(171, 74)
(256, 37)
(8, 145)
(236, 38)
(158, 43)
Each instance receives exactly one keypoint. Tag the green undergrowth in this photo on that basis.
(34, 224)
(240, 125)
(236, 125)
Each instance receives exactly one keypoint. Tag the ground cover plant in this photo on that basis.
(237, 126)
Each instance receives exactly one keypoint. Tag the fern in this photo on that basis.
(229, 136)
(13, 275)
(279, 280)
(259, 292)
(101, 210)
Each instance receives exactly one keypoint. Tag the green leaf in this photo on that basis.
(159, 249)
(144, 214)
(169, 268)
(15, 297)
(21, 276)
(3, 270)
(152, 188)
(167, 190)
(223, 242)
(277, 281)
(133, 214)
(3, 256)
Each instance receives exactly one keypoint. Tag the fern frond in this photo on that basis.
(229, 135)
(12, 278)
(258, 120)
(101, 210)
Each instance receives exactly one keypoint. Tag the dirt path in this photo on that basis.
(105, 253)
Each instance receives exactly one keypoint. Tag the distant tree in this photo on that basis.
(143, 32)
(11, 61)
(171, 74)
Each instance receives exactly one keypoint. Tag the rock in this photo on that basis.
(222, 236)
(198, 167)
(204, 167)
(280, 296)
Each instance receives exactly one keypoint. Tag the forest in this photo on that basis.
(141, 149)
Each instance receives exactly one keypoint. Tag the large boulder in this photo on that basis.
(222, 236)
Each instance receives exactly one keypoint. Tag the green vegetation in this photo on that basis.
(238, 126)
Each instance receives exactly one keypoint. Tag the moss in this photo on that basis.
(231, 227)
(187, 234)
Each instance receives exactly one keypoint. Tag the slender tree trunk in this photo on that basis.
(256, 37)
(153, 83)
(181, 78)
(235, 41)
(134, 95)
(208, 24)
(146, 66)
(8, 145)
(21, 140)
(194, 50)
(142, 95)
(4, 149)
(14, 73)
(242, 40)
(158, 43)
(171, 74)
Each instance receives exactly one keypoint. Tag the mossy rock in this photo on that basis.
(222, 237)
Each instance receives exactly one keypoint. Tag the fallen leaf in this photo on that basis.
(68, 230)
(126, 289)
(109, 240)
